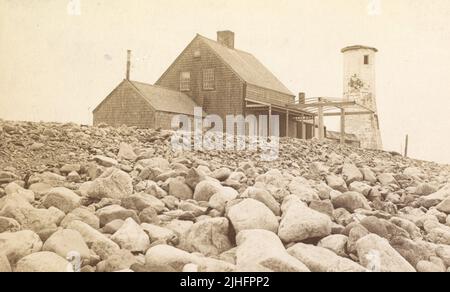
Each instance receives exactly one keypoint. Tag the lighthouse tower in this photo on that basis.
(359, 85)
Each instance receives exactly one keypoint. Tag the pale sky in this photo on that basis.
(57, 67)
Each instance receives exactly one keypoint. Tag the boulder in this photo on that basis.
(252, 214)
(300, 187)
(67, 240)
(167, 258)
(220, 199)
(428, 267)
(16, 245)
(160, 234)
(131, 237)
(444, 206)
(351, 201)
(179, 189)
(319, 259)
(264, 197)
(96, 241)
(43, 262)
(337, 243)
(300, 222)
(386, 179)
(112, 226)
(204, 190)
(361, 188)
(149, 215)
(210, 236)
(389, 259)
(113, 212)
(336, 183)
(262, 251)
(5, 267)
(41, 221)
(351, 173)
(84, 215)
(113, 183)
(126, 152)
(141, 201)
(121, 260)
(368, 175)
(8, 225)
(63, 199)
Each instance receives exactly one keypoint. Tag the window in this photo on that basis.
(366, 60)
(208, 79)
(185, 81)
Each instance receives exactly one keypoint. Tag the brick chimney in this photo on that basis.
(226, 38)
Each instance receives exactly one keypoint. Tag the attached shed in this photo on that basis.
(142, 105)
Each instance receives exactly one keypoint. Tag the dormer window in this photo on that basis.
(366, 59)
(185, 81)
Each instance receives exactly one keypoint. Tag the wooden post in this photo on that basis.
(287, 123)
(321, 133)
(406, 145)
(313, 134)
(342, 126)
(270, 120)
(302, 128)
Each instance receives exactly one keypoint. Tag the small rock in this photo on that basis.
(264, 197)
(105, 161)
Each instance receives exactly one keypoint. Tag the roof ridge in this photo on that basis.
(233, 49)
(158, 86)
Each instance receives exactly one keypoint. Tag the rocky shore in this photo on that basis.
(100, 199)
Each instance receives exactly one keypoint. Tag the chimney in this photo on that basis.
(226, 38)
(301, 98)
(128, 64)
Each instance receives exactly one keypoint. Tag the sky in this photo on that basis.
(58, 61)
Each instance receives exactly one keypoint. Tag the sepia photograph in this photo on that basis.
(210, 138)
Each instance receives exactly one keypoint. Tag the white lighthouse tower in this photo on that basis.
(359, 85)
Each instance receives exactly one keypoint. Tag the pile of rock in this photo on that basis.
(78, 198)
